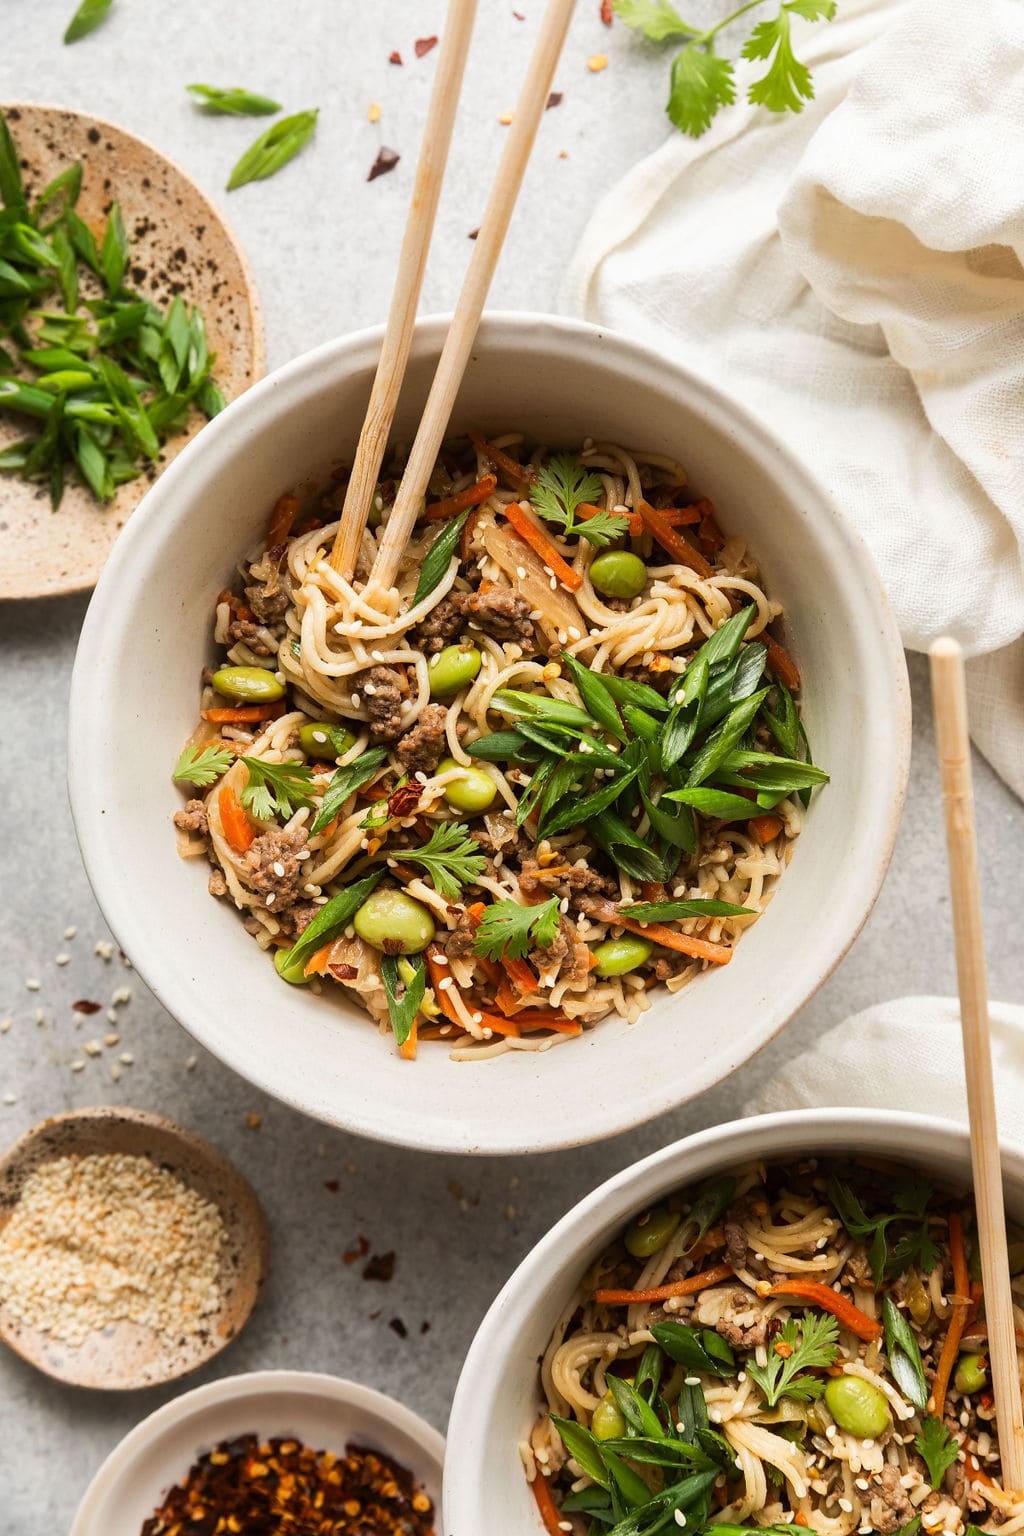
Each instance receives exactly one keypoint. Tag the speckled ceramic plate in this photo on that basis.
(181, 243)
(128, 1355)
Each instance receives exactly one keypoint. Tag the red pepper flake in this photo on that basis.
(404, 800)
(607, 14)
(281, 1485)
(386, 161)
(380, 1266)
(86, 1005)
(394, 57)
(397, 1326)
(424, 1327)
(473, 234)
(360, 1251)
(333, 1185)
(554, 100)
(424, 45)
(518, 15)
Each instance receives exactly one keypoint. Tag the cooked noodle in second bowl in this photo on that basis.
(562, 764)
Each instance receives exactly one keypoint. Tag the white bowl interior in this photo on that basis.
(498, 1392)
(134, 701)
(324, 1412)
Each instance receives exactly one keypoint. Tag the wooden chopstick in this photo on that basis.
(954, 748)
(412, 261)
(466, 320)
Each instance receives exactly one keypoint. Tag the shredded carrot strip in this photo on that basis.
(509, 466)
(685, 1287)
(958, 1317)
(800, 1519)
(709, 535)
(668, 938)
(521, 975)
(237, 826)
(282, 518)
(782, 663)
(530, 1019)
(466, 537)
(681, 517)
(243, 713)
(407, 1050)
(824, 1296)
(674, 543)
(546, 1505)
(587, 510)
(528, 531)
(316, 965)
(765, 828)
(472, 496)
(713, 1238)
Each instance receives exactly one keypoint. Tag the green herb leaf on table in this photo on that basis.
(508, 929)
(330, 921)
(656, 19)
(451, 857)
(90, 15)
(938, 1448)
(233, 100)
(562, 486)
(276, 788)
(786, 85)
(701, 83)
(403, 1010)
(274, 148)
(814, 1343)
(439, 557)
(344, 783)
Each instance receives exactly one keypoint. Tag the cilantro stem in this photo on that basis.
(751, 5)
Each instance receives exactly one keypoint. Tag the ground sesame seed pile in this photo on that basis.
(110, 1238)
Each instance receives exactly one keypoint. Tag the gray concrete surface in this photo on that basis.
(322, 243)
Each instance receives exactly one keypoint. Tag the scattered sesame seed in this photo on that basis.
(505, 118)
(78, 1066)
(115, 1072)
(271, 898)
(62, 959)
(69, 933)
(111, 1039)
(103, 948)
(126, 1059)
(112, 1016)
(41, 1019)
(278, 869)
(597, 62)
(253, 1121)
(92, 1048)
(121, 995)
(5, 1025)
(10, 1098)
(191, 1062)
(32, 984)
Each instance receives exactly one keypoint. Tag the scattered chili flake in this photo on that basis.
(360, 1251)
(473, 234)
(397, 1326)
(597, 62)
(554, 100)
(607, 13)
(373, 1316)
(424, 44)
(374, 112)
(281, 1485)
(505, 118)
(563, 154)
(386, 161)
(380, 1266)
(424, 1326)
(253, 1121)
(518, 15)
(86, 1005)
(394, 57)
(333, 1185)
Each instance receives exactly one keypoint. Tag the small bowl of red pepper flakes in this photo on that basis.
(275, 1453)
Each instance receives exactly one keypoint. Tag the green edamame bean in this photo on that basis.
(451, 669)
(607, 1422)
(650, 1232)
(971, 1375)
(292, 973)
(857, 1407)
(325, 741)
(253, 684)
(618, 573)
(393, 922)
(617, 956)
(472, 792)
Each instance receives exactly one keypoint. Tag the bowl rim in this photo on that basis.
(88, 771)
(627, 1190)
(336, 1389)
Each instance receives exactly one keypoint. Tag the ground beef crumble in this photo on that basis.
(384, 704)
(192, 818)
(422, 748)
(277, 850)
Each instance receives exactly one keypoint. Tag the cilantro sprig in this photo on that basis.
(276, 788)
(202, 767)
(703, 81)
(938, 1448)
(562, 486)
(811, 1343)
(910, 1196)
(451, 857)
(507, 929)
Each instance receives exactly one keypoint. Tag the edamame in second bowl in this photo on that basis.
(570, 770)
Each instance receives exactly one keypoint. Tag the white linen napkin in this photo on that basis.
(853, 274)
(905, 1054)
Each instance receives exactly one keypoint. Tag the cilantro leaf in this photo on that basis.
(656, 19)
(787, 83)
(452, 858)
(507, 928)
(202, 767)
(910, 1195)
(276, 788)
(701, 84)
(938, 1448)
(812, 1343)
(562, 486)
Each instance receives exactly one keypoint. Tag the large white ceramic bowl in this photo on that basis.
(324, 1412)
(134, 699)
(496, 1399)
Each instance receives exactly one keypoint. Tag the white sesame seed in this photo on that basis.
(191, 1062)
(78, 1066)
(32, 984)
(111, 1039)
(369, 690)
(271, 898)
(41, 1019)
(121, 995)
(115, 1072)
(10, 1098)
(92, 1048)
(553, 583)
(445, 983)
(278, 869)
(112, 1016)
(62, 959)
(69, 933)
(103, 948)
(126, 1059)
(5, 1025)
(477, 1018)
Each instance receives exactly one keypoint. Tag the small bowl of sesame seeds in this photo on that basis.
(273, 1450)
(131, 1251)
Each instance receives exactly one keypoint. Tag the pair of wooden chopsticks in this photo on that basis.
(466, 319)
(954, 747)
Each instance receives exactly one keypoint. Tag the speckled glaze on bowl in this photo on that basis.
(134, 699)
(324, 1412)
(498, 1392)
